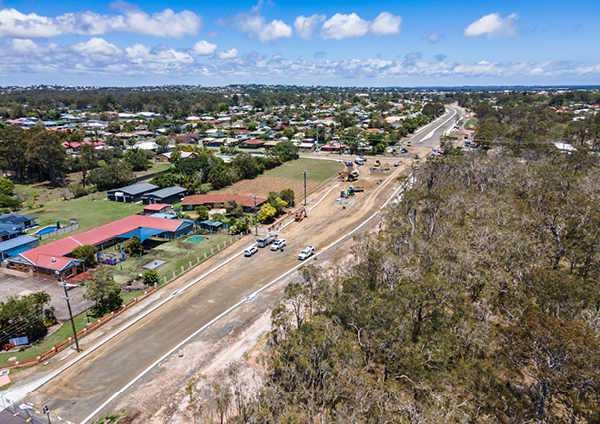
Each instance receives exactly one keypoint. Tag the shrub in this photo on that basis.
(150, 277)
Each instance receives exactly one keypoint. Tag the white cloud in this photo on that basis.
(29, 62)
(494, 25)
(386, 24)
(432, 37)
(341, 26)
(140, 53)
(227, 54)
(97, 46)
(14, 24)
(305, 26)
(203, 48)
(256, 26)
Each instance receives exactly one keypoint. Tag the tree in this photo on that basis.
(163, 144)
(234, 208)
(6, 186)
(134, 247)
(266, 212)
(116, 174)
(86, 253)
(175, 156)
(246, 165)
(150, 277)
(285, 150)
(48, 154)
(288, 196)
(203, 212)
(276, 201)
(103, 290)
(138, 161)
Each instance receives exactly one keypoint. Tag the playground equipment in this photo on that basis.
(110, 258)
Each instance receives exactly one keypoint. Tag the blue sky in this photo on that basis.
(344, 43)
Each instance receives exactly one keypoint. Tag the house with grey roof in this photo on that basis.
(132, 193)
(169, 196)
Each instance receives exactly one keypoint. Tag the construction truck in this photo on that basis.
(355, 189)
(347, 176)
(377, 163)
(266, 240)
(301, 214)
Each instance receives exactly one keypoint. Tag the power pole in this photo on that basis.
(305, 174)
(255, 216)
(67, 298)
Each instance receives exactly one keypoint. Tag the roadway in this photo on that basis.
(431, 134)
(87, 387)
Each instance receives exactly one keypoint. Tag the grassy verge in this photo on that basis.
(128, 297)
(42, 346)
(472, 121)
(318, 170)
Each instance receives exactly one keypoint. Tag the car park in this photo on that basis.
(250, 251)
(279, 244)
(307, 252)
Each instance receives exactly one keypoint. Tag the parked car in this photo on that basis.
(308, 251)
(278, 244)
(404, 150)
(250, 251)
(397, 163)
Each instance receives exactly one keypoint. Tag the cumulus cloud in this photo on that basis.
(386, 24)
(305, 26)
(140, 53)
(14, 24)
(203, 48)
(494, 25)
(256, 26)
(432, 37)
(341, 26)
(27, 61)
(227, 54)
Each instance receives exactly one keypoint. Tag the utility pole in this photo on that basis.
(46, 411)
(67, 298)
(255, 216)
(305, 174)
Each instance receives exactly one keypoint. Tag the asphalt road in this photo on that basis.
(430, 136)
(82, 388)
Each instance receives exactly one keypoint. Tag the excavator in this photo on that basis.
(348, 176)
(300, 215)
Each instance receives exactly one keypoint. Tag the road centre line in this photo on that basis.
(23, 391)
(253, 295)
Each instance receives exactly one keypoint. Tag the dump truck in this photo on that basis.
(266, 240)
(301, 214)
(355, 189)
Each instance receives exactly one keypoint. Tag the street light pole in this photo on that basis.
(67, 298)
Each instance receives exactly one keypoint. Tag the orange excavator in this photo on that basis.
(301, 214)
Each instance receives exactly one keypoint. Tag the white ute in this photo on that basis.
(278, 244)
(308, 251)
(250, 251)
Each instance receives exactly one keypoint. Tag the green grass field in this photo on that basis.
(473, 121)
(176, 253)
(40, 347)
(318, 170)
(91, 211)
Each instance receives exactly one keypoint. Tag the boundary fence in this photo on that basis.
(62, 230)
(178, 273)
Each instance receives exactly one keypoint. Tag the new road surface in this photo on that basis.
(85, 389)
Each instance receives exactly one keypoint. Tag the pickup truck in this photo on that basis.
(308, 251)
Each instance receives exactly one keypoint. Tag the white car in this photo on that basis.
(250, 251)
(278, 244)
(308, 251)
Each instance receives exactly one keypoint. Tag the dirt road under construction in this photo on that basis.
(84, 388)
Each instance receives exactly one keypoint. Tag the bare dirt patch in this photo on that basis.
(261, 186)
